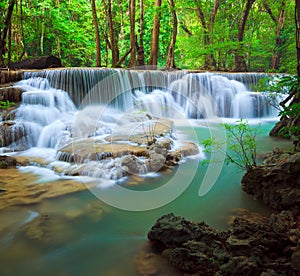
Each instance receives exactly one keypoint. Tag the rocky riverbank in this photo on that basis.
(269, 246)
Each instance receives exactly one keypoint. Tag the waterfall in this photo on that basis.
(197, 95)
(43, 115)
(51, 99)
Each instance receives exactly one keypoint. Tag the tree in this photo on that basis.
(133, 42)
(95, 22)
(155, 35)
(289, 124)
(140, 50)
(4, 31)
(240, 64)
(207, 30)
(279, 40)
(113, 35)
(297, 23)
(171, 51)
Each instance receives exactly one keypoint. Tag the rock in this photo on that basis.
(43, 62)
(269, 183)
(156, 162)
(12, 132)
(187, 149)
(11, 93)
(7, 162)
(295, 260)
(130, 164)
(8, 76)
(170, 230)
(248, 248)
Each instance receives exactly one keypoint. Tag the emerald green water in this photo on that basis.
(80, 235)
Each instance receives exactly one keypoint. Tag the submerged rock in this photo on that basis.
(277, 183)
(7, 162)
(250, 248)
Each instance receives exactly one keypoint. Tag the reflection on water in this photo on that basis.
(79, 235)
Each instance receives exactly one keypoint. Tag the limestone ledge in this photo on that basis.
(17, 188)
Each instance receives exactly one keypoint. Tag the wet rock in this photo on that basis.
(7, 162)
(12, 132)
(130, 164)
(11, 93)
(171, 230)
(156, 162)
(248, 248)
(9, 76)
(187, 149)
(278, 184)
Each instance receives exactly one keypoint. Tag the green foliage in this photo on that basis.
(65, 29)
(6, 104)
(240, 145)
(292, 130)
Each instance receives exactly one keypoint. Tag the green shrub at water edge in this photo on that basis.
(240, 147)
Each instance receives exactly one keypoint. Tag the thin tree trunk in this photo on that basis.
(22, 31)
(5, 31)
(121, 60)
(171, 52)
(240, 64)
(9, 44)
(275, 61)
(212, 60)
(97, 35)
(297, 21)
(42, 32)
(141, 52)
(132, 61)
(155, 35)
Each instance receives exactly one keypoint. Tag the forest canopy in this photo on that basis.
(226, 35)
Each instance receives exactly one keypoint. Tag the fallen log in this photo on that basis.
(37, 63)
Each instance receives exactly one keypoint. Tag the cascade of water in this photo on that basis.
(198, 94)
(43, 115)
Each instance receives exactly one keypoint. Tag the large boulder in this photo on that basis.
(43, 62)
(250, 248)
(277, 182)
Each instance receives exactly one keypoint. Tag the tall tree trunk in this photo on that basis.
(97, 35)
(155, 35)
(141, 52)
(240, 64)
(22, 31)
(275, 61)
(5, 31)
(171, 52)
(132, 61)
(113, 37)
